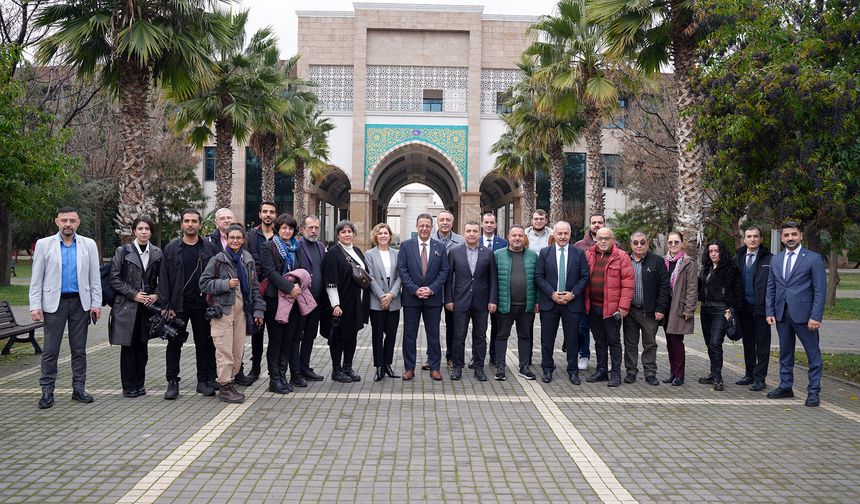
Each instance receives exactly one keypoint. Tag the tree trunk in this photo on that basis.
(134, 131)
(556, 181)
(691, 198)
(832, 277)
(594, 144)
(223, 162)
(5, 245)
(267, 161)
(528, 182)
(299, 191)
(97, 231)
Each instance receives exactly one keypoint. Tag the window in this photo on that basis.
(611, 164)
(432, 100)
(618, 121)
(502, 106)
(208, 164)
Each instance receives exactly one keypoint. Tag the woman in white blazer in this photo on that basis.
(384, 299)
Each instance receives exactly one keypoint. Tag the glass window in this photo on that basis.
(611, 164)
(209, 164)
(618, 120)
(254, 189)
(432, 100)
(502, 106)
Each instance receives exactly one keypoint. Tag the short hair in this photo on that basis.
(145, 219)
(489, 214)
(516, 226)
(269, 203)
(424, 216)
(751, 227)
(471, 223)
(236, 227)
(287, 219)
(343, 225)
(447, 212)
(563, 222)
(222, 211)
(638, 233)
(540, 212)
(191, 211)
(375, 231)
(67, 209)
(597, 214)
(790, 224)
(312, 217)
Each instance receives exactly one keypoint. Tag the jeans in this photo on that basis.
(479, 337)
(714, 331)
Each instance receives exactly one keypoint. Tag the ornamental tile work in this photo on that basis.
(335, 89)
(380, 139)
(401, 88)
(494, 81)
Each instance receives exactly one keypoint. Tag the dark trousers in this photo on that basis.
(525, 320)
(70, 310)
(310, 327)
(449, 335)
(256, 350)
(756, 338)
(341, 345)
(133, 358)
(479, 337)
(638, 323)
(677, 354)
(788, 332)
(549, 327)
(383, 326)
(412, 315)
(283, 351)
(584, 339)
(204, 348)
(714, 332)
(607, 340)
(494, 334)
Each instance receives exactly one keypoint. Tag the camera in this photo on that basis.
(213, 312)
(162, 327)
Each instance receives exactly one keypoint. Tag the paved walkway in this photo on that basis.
(514, 441)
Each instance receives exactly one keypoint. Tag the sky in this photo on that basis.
(281, 14)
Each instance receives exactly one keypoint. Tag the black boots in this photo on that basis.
(172, 390)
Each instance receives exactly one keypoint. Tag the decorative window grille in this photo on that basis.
(401, 88)
(493, 82)
(335, 86)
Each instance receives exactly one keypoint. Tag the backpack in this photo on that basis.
(108, 294)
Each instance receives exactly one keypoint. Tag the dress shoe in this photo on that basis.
(408, 375)
(757, 386)
(615, 379)
(81, 396)
(652, 380)
(312, 376)
(456, 373)
(670, 379)
(707, 380)
(287, 385)
(47, 399)
(426, 366)
(527, 373)
(352, 375)
(243, 380)
(341, 377)
(172, 390)
(390, 372)
(718, 385)
(583, 363)
(470, 366)
(780, 393)
(500, 374)
(130, 393)
(630, 378)
(574, 378)
(746, 380)
(205, 389)
(141, 391)
(227, 392)
(812, 400)
(380, 374)
(277, 386)
(547, 376)
(214, 385)
(298, 380)
(598, 376)
(254, 375)
(480, 375)
(436, 375)
(677, 382)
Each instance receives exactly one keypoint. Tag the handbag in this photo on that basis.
(733, 329)
(361, 277)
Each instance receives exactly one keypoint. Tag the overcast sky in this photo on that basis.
(281, 14)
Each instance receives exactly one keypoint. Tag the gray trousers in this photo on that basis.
(635, 323)
(71, 311)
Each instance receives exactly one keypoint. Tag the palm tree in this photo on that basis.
(651, 34)
(305, 149)
(519, 164)
(573, 48)
(132, 45)
(247, 84)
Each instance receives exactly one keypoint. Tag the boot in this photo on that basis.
(254, 375)
(380, 374)
(172, 390)
(615, 379)
(277, 386)
(228, 393)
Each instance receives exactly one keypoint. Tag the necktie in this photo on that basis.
(562, 270)
(489, 243)
(788, 264)
(750, 260)
(424, 259)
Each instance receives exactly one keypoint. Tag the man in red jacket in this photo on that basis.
(607, 300)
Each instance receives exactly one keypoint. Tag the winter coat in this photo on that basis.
(171, 277)
(215, 280)
(683, 299)
(618, 281)
(503, 267)
(354, 301)
(721, 285)
(127, 278)
(306, 301)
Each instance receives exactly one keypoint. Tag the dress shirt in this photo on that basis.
(143, 253)
(638, 287)
(385, 255)
(472, 258)
(223, 240)
(787, 267)
(488, 242)
(70, 265)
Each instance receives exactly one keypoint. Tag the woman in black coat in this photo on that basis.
(278, 257)
(350, 303)
(134, 278)
(719, 292)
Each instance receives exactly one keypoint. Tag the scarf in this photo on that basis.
(245, 286)
(287, 250)
(675, 271)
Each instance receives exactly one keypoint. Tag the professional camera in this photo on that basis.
(162, 327)
(213, 312)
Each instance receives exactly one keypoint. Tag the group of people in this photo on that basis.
(279, 278)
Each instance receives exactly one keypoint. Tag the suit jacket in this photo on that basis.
(47, 277)
(498, 243)
(655, 284)
(471, 291)
(215, 239)
(761, 272)
(546, 277)
(409, 266)
(803, 291)
(453, 239)
(379, 278)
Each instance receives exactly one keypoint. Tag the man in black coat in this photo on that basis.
(224, 218)
(754, 262)
(311, 251)
(471, 293)
(650, 305)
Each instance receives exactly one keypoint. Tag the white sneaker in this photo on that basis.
(583, 363)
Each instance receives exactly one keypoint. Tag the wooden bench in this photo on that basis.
(9, 328)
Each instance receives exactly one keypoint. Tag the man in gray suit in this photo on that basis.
(445, 234)
(65, 287)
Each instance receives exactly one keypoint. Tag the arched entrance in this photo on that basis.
(504, 197)
(329, 198)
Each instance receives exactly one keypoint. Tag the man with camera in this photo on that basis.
(179, 296)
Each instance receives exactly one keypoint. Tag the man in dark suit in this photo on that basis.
(494, 243)
(224, 218)
(311, 252)
(561, 276)
(423, 267)
(753, 261)
(471, 292)
(794, 303)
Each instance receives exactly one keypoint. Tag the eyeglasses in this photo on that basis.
(639, 242)
(602, 239)
(673, 242)
(235, 238)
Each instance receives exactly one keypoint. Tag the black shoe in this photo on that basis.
(598, 376)
(500, 375)
(205, 389)
(718, 385)
(812, 400)
(380, 374)
(527, 373)
(390, 372)
(652, 380)
(82, 396)
(677, 382)
(341, 377)
(746, 380)
(707, 380)
(243, 380)
(254, 375)
(352, 376)
(172, 390)
(141, 391)
(758, 386)
(289, 388)
(472, 364)
(480, 375)
(214, 385)
(670, 379)
(456, 373)
(130, 393)
(574, 378)
(630, 378)
(780, 393)
(312, 376)
(615, 380)
(47, 399)
(298, 380)
(277, 386)
(547, 376)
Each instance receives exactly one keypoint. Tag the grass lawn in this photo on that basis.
(846, 309)
(841, 365)
(23, 269)
(849, 281)
(17, 295)
(20, 351)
